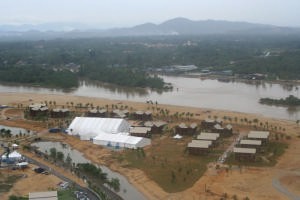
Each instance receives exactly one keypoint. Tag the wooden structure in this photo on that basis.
(244, 153)
(193, 128)
(119, 113)
(259, 135)
(59, 113)
(141, 115)
(225, 132)
(213, 137)
(183, 129)
(97, 113)
(156, 126)
(38, 110)
(208, 123)
(140, 131)
(251, 144)
(199, 147)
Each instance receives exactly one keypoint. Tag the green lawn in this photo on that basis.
(272, 151)
(168, 163)
(66, 194)
(6, 182)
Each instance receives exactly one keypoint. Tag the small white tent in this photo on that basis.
(12, 156)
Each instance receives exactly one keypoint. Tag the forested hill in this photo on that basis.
(130, 61)
(176, 26)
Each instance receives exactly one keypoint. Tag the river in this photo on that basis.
(127, 191)
(195, 92)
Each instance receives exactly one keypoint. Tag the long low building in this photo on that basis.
(244, 153)
(121, 141)
(49, 195)
(199, 146)
(259, 135)
(208, 136)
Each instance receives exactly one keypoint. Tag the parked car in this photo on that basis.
(45, 172)
(64, 185)
(39, 170)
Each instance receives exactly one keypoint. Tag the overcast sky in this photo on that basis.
(116, 13)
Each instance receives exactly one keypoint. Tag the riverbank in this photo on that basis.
(248, 183)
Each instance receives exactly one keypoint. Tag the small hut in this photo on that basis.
(59, 112)
(199, 147)
(251, 144)
(247, 154)
(208, 123)
(213, 137)
(38, 110)
(259, 135)
(97, 113)
(140, 131)
(156, 126)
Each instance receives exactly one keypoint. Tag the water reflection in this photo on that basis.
(196, 92)
(15, 130)
(127, 191)
(129, 92)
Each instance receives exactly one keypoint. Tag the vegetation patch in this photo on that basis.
(288, 101)
(66, 194)
(267, 158)
(167, 162)
(7, 182)
(13, 197)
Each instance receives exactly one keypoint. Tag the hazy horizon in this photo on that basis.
(117, 13)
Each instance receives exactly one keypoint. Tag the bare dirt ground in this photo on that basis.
(30, 182)
(255, 183)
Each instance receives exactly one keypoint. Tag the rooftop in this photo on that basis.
(208, 136)
(182, 125)
(50, 195)
(139, 129)
(205, 144)
(259, 134)
(244, 150)
(251, 142)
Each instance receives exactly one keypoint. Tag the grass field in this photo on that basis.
(168, 163)
(7, 181)
(272, 151)
(66, 194)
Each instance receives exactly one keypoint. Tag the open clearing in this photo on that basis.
(253, 182)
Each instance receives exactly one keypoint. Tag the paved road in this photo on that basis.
(277, 185)
(90, 194)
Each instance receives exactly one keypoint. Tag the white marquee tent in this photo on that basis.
(89, 127)
(121, 141)
(106, 131)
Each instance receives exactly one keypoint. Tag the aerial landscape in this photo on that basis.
(157, 100)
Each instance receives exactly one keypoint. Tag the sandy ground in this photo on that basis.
(255, 183)
(31, 182)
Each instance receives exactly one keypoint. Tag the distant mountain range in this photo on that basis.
(177, 26)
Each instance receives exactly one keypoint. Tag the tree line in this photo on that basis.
(291, 100)
(126, 61)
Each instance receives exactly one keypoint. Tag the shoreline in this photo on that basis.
(137, 177)
(29, 96)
